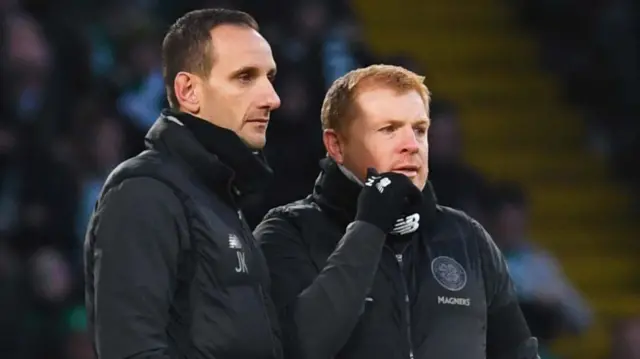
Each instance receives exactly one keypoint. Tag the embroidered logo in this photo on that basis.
(449, 273)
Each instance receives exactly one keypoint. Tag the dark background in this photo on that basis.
(535, 133)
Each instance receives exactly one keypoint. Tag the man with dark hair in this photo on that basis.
(186, 47)
(171, 267)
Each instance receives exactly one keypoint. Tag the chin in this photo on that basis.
(255, 143)
(420, 183)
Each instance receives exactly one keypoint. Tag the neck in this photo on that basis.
(255, 151)
(248, 167)
(350, 175)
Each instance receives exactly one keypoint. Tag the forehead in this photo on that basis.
(240, 46)
(384, 104)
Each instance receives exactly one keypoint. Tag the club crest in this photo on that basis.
(449, 273)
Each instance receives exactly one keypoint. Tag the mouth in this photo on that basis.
(262, 121)
(407, 170)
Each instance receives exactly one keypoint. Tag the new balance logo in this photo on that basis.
(407, 225)
(370, 181)
(382, 184)
(234, 242)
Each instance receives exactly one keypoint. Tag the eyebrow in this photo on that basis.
(423, 121)
(254, 70)
(418, 121)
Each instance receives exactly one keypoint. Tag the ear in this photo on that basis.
(333, 143)
(187, 87)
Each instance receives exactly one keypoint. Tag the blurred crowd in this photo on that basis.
(593, 46)
(81, 84)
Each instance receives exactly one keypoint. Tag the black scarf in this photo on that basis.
(338, 196)
(217, 155)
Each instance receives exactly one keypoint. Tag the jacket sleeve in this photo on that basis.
(318, 311)
(137, 229)
(508, 335)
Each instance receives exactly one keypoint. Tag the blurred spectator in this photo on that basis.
(344, 50)
(51, 276)
(549, 302)
(455, 183)
(305, 40)
(294, 143)
(14, 341)
(143, 93)
(28, 79)
(78, 342)
(626, 339)
(102, 143)
(31, 305)
(325, 41)
(40, 200)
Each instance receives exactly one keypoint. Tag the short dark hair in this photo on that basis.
(187, 43)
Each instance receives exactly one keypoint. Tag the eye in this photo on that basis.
(245, 77)
(421, 131)
(272, 77)
(388, 129)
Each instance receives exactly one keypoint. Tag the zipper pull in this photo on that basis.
(399, 259)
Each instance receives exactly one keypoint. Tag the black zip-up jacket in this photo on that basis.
(172, 270)
(345, 290)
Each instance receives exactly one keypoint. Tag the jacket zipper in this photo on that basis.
(247, 237)
(269, 325)
(407, 302)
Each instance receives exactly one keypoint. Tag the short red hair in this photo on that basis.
(339, 107)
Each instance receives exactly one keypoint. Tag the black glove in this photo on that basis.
(384, 198)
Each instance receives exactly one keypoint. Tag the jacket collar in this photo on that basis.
(216, 155)
(338, 195)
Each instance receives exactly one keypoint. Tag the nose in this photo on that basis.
(271, 98)
(410, 140)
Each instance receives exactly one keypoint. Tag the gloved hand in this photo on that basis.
(384, 197)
